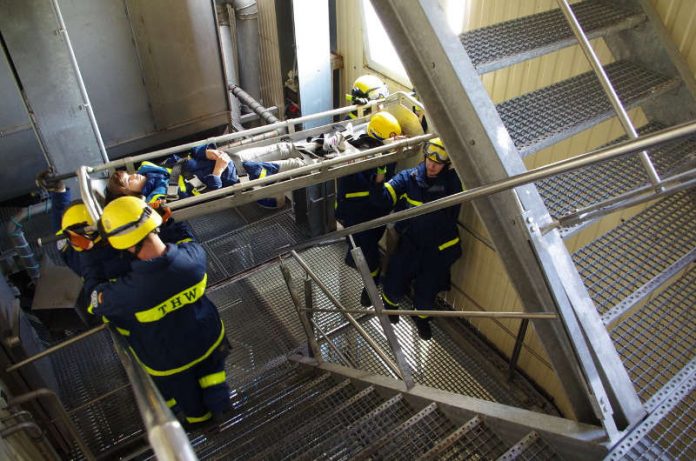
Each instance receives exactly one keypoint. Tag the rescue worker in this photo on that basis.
(428, 244)
(83, 250)
(205, 169)
(173, 329)
(353, 204)
(366, 88)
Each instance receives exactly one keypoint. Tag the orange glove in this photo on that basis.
(160, 206)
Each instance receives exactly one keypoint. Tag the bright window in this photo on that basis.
(379, 51)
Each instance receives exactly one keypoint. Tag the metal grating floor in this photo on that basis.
(463, 368)
(624, 259)
(538, 450)
(506, 43)
(416, 436)
(86, 371)
(672, 438)
(479, 442)
(564, 193)
(541, 118)
(659, 339)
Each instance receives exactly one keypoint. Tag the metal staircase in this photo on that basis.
(626, 297)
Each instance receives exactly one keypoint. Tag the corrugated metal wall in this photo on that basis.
(479, 279)
(269, 49)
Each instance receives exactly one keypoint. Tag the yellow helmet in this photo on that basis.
(75, 219)
(368, 88)
(383, 125)
(435, 151)
(127, 221)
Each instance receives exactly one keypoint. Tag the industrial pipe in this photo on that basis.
(15, 231)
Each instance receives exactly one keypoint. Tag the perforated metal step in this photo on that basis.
(564, 193)
(473, 440)
(656, 341)
(363, 432)
(272, 429)
(501, 45)
(412, 438)
(262, 410)
(617, 264)
(667, 433)
(531, 448)
(542, 118)
(314, 431)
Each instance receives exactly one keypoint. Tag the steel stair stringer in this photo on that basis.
(538, 265)
(569, 439)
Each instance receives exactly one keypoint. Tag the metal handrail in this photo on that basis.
(361, 331)
(607, 87)
(450, 314)
(552, 169)
(164, 432)
(55, 348)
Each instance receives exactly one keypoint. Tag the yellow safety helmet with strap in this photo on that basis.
(74, 222)
(383, 125)
(368, 88)
(435, 151)
(127, 221)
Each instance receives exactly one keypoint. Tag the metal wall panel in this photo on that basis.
(19, 146)
(41, 58)
(182, 69)
(103, 43)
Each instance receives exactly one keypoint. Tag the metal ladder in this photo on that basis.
(600, 290)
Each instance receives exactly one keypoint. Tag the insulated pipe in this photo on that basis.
(254, 105)
(15, 231)
(224, 17)
(246, 13)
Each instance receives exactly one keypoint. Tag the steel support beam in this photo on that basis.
(482, 152)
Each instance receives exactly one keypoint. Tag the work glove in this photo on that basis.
(46, 181)
(160, 206)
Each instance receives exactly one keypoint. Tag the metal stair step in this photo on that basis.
(472, 440)
(270, 404)
(657, 341)
(544, 117)
(667, 432)
(414, 437)
(363, 431)
(624, 259)
(530, 447)
(314, 431)
(501, 45)
(567, 192)
(275, 428)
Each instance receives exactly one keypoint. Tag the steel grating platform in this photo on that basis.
(659, 339)
(542, 118)
(501, 45)
(309, 435)
(567, 192)
(93, 388)
(461, 367)
(615, 265)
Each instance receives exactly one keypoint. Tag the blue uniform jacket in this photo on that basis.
(100, 263)
(196, 165)
(161, 309)
(353, 204)
(411, 188)
(258, 170)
